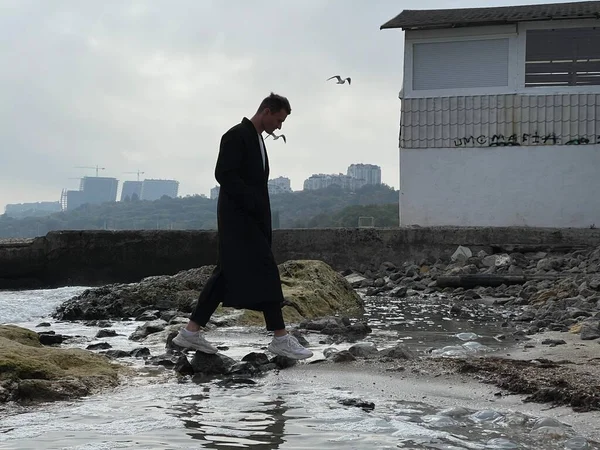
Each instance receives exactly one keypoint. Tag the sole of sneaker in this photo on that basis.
(292, 356)
(185, 344)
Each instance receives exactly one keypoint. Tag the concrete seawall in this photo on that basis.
(99, 257)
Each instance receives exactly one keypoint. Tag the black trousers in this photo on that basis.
(211, 297)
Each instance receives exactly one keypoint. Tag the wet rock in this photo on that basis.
(50, 338)
(167, 360)
(363, 350)
(245, 368)
(116, 354)
(399, 351)
(256, 358)
(343, 356)
(99, 346)
(398, 292)
(358, 403)
(590, 329)
(176, 292)
(355, 280)
(553, 342)
(235, 381)
(105, 333)
(183, 367)
(38, 373)
(98, 323)
(338, 327)
(282, 362)
(147, 329)
(325, 323)
(217, 364)
(550, 264)
(329, 351)
(140, 352)
(43, 324)
(148, 315)
(300, 337)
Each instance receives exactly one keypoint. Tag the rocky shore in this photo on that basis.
(551, 304)
(31, 372)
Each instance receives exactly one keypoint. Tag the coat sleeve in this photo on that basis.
(228, 169)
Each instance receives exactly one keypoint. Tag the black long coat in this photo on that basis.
(247, 275)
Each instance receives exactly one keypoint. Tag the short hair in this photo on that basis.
(275, 103)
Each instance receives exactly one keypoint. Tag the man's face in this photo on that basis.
(274, 121)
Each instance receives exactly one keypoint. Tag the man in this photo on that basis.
(246, 275)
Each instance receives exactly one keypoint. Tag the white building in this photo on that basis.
(368, 172)
(500, 116)
(279, 185)
(214, 192)
(321, 181)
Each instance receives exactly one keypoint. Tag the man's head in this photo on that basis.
(272, 112)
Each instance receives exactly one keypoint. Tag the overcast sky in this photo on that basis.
(152, 85)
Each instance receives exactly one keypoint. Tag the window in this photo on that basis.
(562, 57)
(460, 64)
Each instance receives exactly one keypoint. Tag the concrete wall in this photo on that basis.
(100, 257)
(535, 186)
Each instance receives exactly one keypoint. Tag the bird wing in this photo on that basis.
(349, 80)
(335, 76)
(284, 140)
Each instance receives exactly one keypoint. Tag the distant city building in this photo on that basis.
(368, 172)
(279, 185)
(71, 199)
(321, 181)
(99, 189)
(131, 189)
(214, 192)
(36, 209)
(92, 190)
(156, 189)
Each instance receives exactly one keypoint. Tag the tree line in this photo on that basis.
(329, 207)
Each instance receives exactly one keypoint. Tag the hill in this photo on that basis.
(332, 206)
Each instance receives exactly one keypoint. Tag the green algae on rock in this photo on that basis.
(30, 372)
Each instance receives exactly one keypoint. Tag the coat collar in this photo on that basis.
(248, 124)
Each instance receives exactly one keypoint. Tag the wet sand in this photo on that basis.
(433, 381)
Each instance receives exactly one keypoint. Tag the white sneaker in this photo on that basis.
(289, 347)
(196, 342)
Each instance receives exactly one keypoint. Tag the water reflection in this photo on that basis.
(427, 322)
(245, 420)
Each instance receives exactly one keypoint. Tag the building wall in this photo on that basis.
(479, 148)
(496, 120)
(501, 160)
(538, 186)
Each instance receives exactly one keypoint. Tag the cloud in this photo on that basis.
(152, 85)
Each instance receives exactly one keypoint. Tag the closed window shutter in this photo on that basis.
(460, 64)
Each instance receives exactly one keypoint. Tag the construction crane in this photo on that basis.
(88, 167)
(138, 174)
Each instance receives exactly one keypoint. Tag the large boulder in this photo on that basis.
(114, 301)
(30, 372)
(311, 288)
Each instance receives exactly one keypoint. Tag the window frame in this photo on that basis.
(522, 41)
(516, 33)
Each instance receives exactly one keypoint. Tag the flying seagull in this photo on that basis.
(339, 79)
(275, 137)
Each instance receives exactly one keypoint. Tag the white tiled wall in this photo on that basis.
(500, 120)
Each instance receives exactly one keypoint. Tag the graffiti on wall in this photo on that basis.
(500, 140)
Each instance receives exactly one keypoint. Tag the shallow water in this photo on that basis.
(296, 408)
